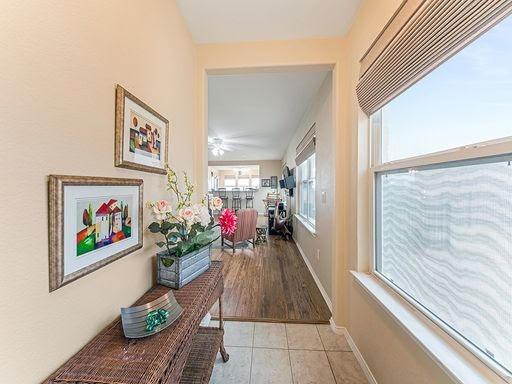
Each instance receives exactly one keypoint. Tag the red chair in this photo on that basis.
(247, 220)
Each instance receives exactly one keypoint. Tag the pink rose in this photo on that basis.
(186, 214)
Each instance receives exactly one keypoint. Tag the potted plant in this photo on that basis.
(188, 230)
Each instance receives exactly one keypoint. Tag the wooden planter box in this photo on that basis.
(184, 269)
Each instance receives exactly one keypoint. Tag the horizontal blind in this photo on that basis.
(306, 146)
(421, 36)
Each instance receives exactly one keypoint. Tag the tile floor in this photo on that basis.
(277, 353)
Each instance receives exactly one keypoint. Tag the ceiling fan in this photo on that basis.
(217, 146)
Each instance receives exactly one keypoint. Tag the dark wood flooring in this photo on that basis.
(270, 283)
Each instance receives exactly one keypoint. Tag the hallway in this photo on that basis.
(270, 283)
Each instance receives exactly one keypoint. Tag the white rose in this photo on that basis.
(197, 212)
(204, 216)
(161, 209)
(201, 214)
(216, 203)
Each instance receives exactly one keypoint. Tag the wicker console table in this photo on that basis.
(181, 353)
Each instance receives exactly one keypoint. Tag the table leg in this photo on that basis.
(224, 354)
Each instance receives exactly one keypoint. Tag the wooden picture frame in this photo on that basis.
(141, 135)
(82, 240)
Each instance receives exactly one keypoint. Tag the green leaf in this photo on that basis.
(154, 227)
(161, 244)
(166, 226)
(197, 227)
(204, 236)
(173, 238)
(167, 262)
(185, 247)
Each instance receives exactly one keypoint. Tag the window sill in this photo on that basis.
(460, 364)
(306, 224)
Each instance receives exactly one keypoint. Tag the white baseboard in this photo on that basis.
(315, 277)
(360, 359)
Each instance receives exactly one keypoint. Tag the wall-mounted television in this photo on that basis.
(289, 182)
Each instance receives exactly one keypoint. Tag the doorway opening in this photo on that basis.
(271, 151)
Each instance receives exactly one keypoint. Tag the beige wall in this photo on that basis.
(267, 168)
(390, 352)
(318, 248)
(60, 63)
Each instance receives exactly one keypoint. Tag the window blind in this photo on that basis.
(306, 146)
(421, 35)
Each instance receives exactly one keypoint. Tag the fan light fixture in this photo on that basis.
(217, 151)
(216, 145)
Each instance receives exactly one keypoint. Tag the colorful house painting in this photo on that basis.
(102, 224)
(111, 223)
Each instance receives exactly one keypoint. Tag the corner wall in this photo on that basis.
(60, 63)
(320, 112)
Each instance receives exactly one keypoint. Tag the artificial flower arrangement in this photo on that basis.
(186, 226)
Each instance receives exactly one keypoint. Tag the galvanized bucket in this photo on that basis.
(175, 272)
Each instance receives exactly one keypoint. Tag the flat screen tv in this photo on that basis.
(289, 182)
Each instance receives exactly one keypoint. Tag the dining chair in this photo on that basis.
(247, 219)
(249, 198)
(236, 199)
(223, 194)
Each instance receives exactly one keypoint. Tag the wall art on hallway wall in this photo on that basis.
(93, 221)
(141, 135)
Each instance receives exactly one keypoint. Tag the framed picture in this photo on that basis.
(92, 222)
(265, 183)
(142, 135)
(273, 182)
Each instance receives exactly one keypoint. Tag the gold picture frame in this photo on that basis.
(141, 135)
(75, 245)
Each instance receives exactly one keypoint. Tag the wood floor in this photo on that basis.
(270, 283)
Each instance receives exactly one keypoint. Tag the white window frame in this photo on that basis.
(230, 177)
(237, 177)
(493, 148)
(244, 177)
(308, 221)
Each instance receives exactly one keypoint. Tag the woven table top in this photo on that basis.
(111, 358)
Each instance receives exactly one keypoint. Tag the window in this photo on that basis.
(234, 176)
(464, 101)
(244, 181)
(443, 221)
(229, 181)
(307, 190)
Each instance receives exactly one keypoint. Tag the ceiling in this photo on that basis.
(224, 21)
(256, 115)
